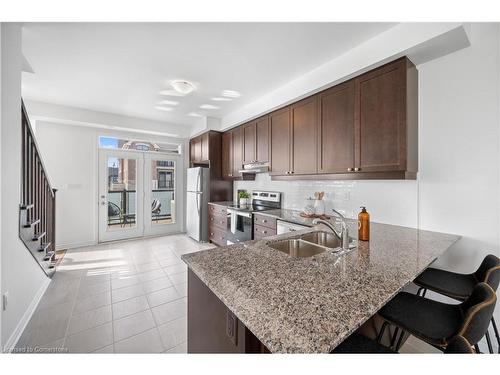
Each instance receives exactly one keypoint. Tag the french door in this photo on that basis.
(137, 194)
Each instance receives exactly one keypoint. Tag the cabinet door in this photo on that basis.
(197, 149)
(237, 151)
(227, 155)
(336, 129)
(279, 123)
(381, 119)
(191, 151)
(249, 143)
(262, 139)
(204, 147)
(304, 136)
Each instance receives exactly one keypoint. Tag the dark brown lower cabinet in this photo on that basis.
(212, 327)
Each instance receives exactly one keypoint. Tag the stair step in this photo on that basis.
(32, 223)
(44, 246)
(38, 236)
(26, 206)
(48, 256)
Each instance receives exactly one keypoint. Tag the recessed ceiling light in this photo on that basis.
(194, 114)
(208, 106)
(184, 87)
(171, 93)
(169, 102)
(166, 109)
(231, 94)
(222, 99)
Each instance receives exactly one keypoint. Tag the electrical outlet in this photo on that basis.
(5, 301)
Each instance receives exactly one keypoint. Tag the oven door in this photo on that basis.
(239, 226)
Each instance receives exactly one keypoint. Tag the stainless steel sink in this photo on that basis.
(298, 248)
(323, 239)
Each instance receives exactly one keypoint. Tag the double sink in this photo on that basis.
(311, 244)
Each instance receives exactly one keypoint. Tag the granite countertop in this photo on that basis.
(291, 216)
(223, 203)
(310, 305)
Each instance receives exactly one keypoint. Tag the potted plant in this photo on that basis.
(244, 198)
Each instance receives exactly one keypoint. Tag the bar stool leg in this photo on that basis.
(394, 336)
(381, 333)
(496, 332)
(488, 340)
(476, 347)
(400, 340)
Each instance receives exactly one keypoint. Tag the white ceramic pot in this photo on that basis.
(244, 201)
(319, 207)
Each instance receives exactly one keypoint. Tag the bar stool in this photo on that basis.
(359, 344)
(459, 286)
(436, 322)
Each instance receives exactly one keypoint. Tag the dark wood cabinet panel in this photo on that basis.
(262, 139)
(280, 133)
(381, 119)
(197, 149)
(249, 143)
(204, 140)
(237, 151)
(227, 155)
(336, 129)
(304, 136)
(265, 221)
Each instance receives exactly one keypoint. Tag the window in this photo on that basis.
(138, 145)
(165, 180)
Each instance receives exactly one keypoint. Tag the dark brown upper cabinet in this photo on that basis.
(195, 150)
(304, 124)
(336, 129)
(249, 143)
(205, 146)
(280, 136)
(227, 155)
(386, 119)
(237, 151)
(262, 139)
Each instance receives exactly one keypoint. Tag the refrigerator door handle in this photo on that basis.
(198, 187)
(197, 204)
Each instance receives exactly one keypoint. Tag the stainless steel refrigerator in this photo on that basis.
(198, 193)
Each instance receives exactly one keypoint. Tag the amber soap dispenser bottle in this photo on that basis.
(363, 225)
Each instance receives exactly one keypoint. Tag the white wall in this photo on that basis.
(21, 276)
(70, 154)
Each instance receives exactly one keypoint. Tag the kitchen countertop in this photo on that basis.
(291, 216)
(310, 305)
(223, 203)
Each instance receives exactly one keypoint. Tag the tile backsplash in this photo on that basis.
(387, 201)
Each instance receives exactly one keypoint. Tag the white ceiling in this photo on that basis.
(121, 67)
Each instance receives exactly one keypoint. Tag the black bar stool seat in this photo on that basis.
(432, 321)
(455, 285)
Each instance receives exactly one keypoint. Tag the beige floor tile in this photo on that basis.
(132, 325)
(151, 275)
(123, 294)
(129, 307)
(92, 302)
(106, 350)
(162, 296)
(179, 349)
(170, 261)
(86, 291)
(88, 319)
(181, 289)
(178, 278)
(175, 269)
(90, 340)
(145, 342)
(124, 282)
(156, 284)
(173, 333)
(170, 311)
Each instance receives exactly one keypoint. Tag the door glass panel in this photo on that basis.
(162, 192)
(121, 194)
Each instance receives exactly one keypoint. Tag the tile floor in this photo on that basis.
(122, 297)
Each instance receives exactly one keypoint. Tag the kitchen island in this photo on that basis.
(252, 298)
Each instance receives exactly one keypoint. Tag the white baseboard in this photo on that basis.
(72, 245)
(18, 331)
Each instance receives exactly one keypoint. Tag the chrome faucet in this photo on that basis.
(343, 236)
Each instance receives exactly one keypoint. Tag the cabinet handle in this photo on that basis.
(350, 169)
(357, 169)
(211, 234)
(292, 172)
(265, 232)
(264, 220)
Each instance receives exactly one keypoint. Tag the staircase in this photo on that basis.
(37, 211)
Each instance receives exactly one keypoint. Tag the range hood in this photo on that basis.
(253, 168)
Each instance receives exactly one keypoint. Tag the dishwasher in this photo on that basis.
(286, 227)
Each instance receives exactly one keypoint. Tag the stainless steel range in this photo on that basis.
(240, 220)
